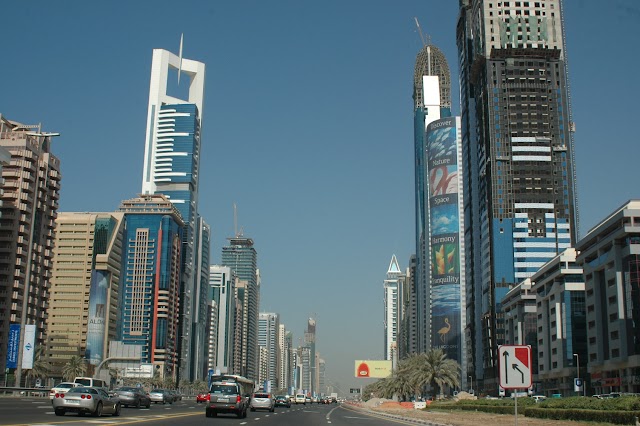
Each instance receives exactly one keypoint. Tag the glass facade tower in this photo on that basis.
(517, 136)
(171, 167)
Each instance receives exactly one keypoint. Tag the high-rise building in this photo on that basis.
(432, 100)
(285, 345)
(517, 138)
(30, 194)
(172, 167)
(150, 306)
(393, 290)
(85, 286)
(446, 246)
(222, 291)
(268, 328)
(408, 338)
(310, 342)
(200, 301)
(241, 257)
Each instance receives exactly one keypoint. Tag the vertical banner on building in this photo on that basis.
(12, 346)
(444, 219)
(97, 316)
(29, 346)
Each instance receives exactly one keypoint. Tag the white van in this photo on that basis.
(91, 382)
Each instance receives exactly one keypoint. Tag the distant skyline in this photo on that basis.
(308, 129)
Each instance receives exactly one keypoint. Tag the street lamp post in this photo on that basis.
(578, 372)
(471, 380)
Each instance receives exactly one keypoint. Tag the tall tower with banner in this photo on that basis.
(443, 159)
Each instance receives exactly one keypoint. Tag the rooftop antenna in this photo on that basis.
(180, 56)
(235, 222)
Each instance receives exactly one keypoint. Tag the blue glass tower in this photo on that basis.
(517, 136)
(152, 252)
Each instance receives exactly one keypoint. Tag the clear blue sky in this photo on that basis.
(307, 127)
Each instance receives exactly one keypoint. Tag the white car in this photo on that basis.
(61, 388)
(300, 399)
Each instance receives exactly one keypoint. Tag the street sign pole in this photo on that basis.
(516, 409)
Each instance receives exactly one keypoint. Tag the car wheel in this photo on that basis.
(59, 412)
(252, 409)
(137, 404)
(116, 413)
(98, 412)
(149, 404)
(244, 413)
(272, 409)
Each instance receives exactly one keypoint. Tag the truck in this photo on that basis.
(334, 397)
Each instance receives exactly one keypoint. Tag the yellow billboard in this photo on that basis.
(373, 369)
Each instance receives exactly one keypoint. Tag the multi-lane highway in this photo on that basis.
(38, 411)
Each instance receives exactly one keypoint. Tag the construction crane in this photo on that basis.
(424, 43)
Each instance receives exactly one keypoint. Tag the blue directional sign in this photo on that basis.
(515, 366)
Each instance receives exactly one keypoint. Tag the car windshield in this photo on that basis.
(157, 391)
(223, 389)
(281, 397)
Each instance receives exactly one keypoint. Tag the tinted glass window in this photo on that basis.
(224, 389)
(261, 395)
(84, 382)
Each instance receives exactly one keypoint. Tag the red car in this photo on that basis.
(202, 397)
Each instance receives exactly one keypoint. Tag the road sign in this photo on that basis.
(354, 390)
(515, 366)
(577, 384)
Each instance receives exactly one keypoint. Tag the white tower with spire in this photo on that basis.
(392, 308)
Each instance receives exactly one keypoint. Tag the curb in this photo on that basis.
(397, 417)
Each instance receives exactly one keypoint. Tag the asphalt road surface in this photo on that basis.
(34, 411)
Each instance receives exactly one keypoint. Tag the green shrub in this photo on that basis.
(608, 416)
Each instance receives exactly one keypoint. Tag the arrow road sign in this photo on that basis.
(515, 368)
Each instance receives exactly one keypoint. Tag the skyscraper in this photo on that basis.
(393, 304)
(432, 100)
(446, 224)
(268, 328)
(310, 342)
(30, 194)
(201, 300)
(222, 291)
(517, 137)
(149, 311)
(241, 257)
(172, 167)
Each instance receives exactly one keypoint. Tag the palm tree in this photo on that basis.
(75, 367)
(438, 371)
(40, 368)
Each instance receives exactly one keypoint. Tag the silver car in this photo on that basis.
(262, 401)
(84, 400)
(130, 396)
(160, 395)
